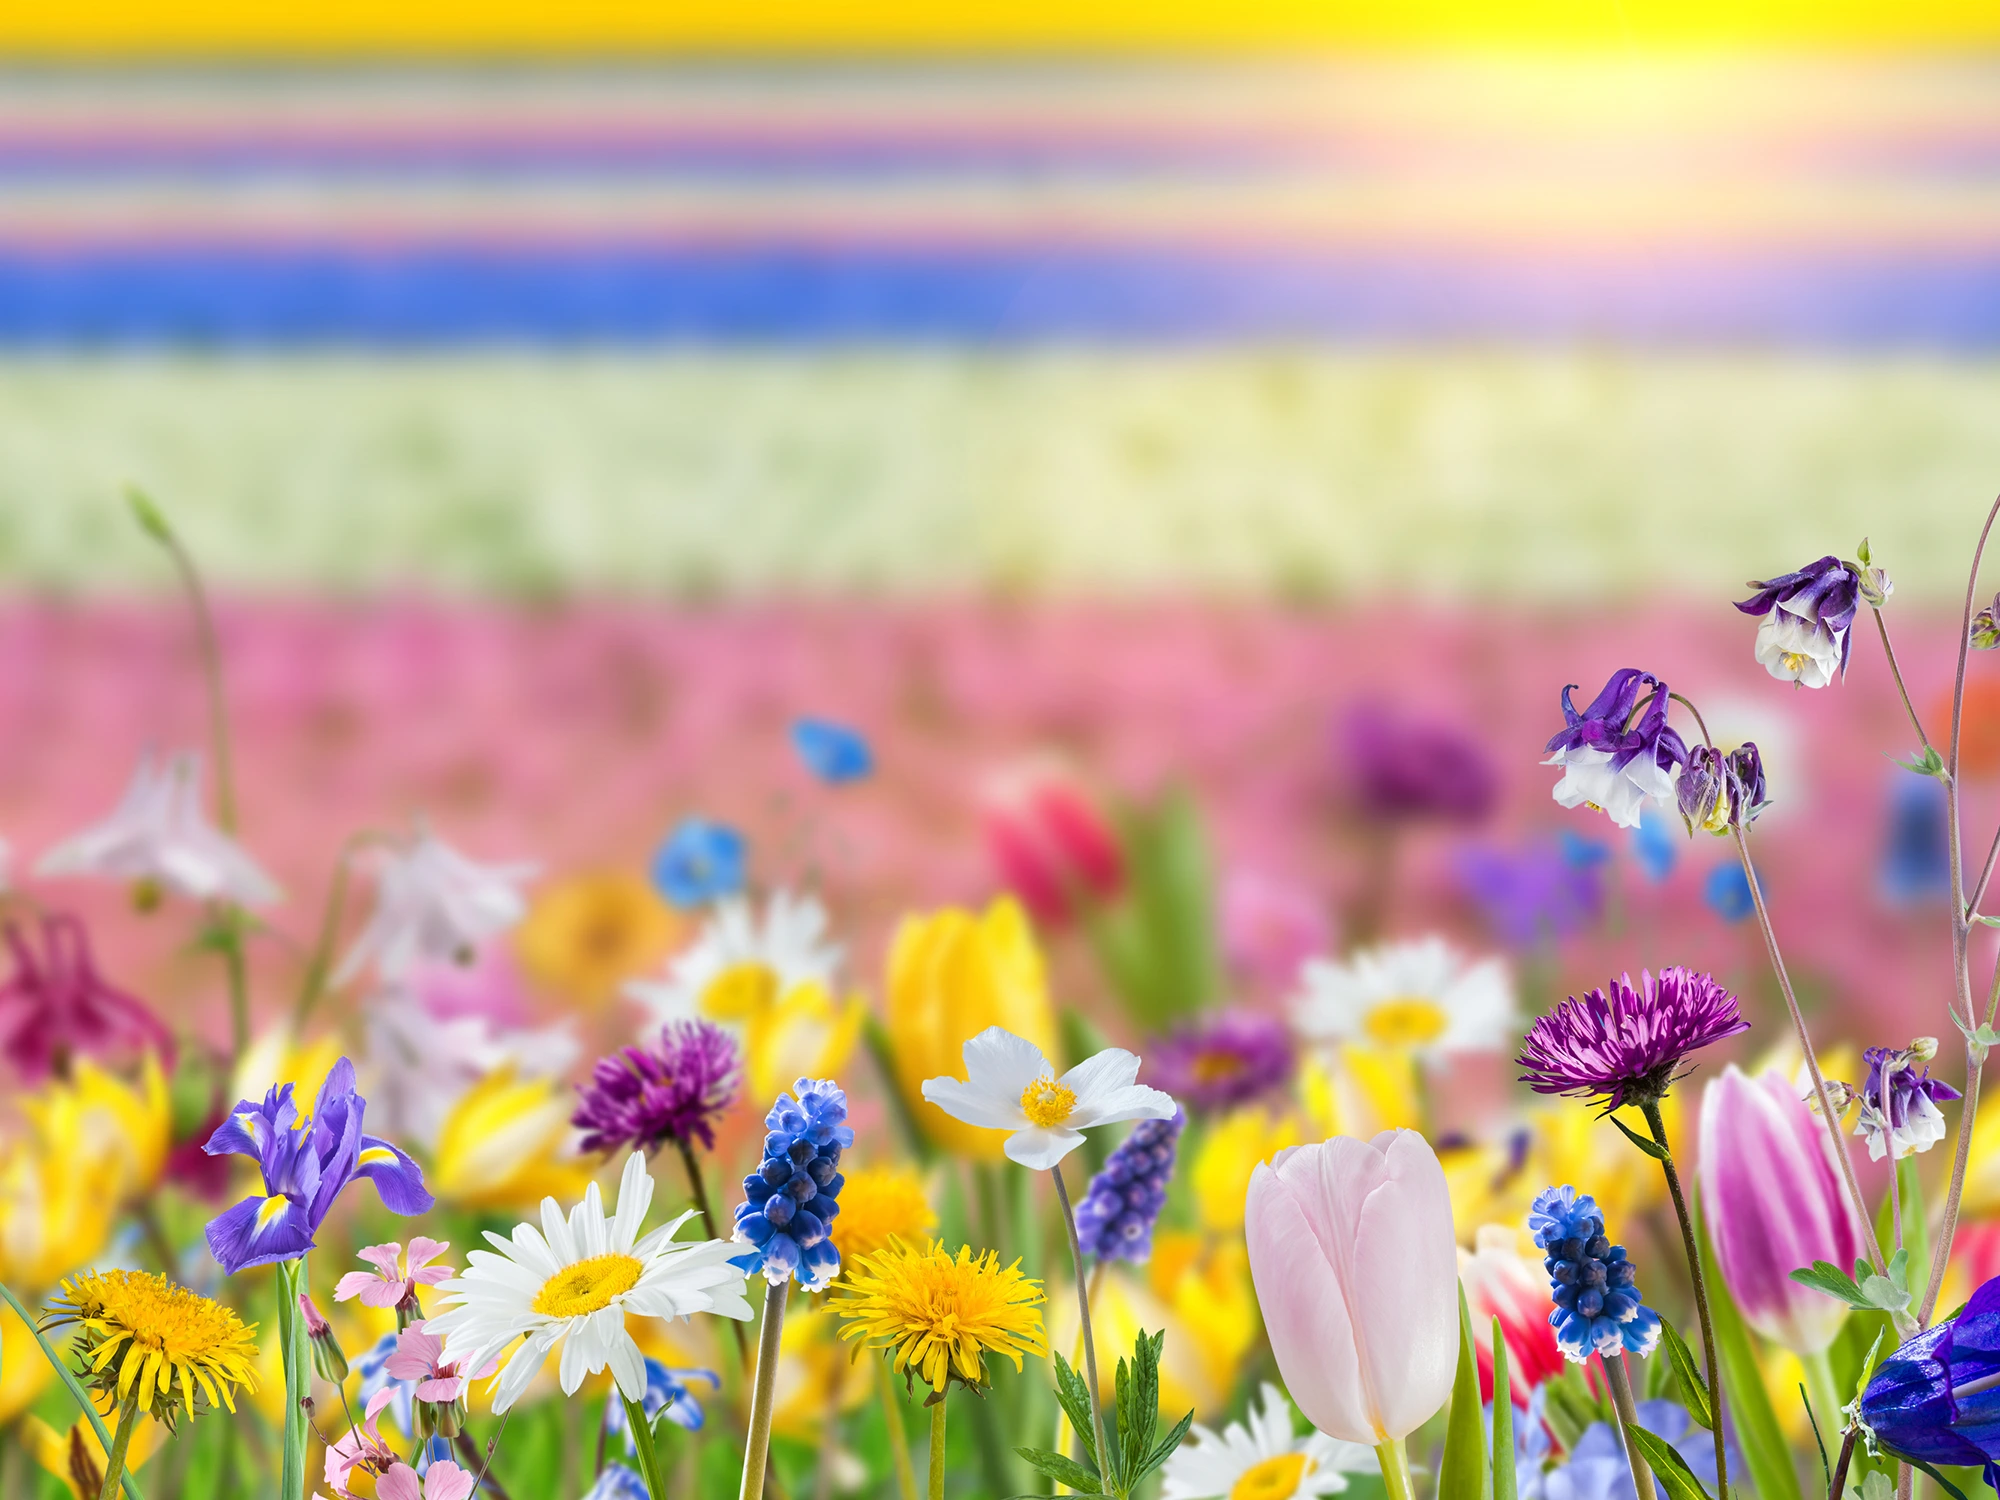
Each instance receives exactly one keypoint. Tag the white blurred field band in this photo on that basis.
(1541, 477)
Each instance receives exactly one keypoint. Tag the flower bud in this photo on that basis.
(1922, 1049)
(1838, 1097)
(1986, 627)
(328, 1361)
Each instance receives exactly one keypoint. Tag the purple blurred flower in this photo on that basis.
(1544, 892)
(1805, 636)
(56, 1005)
(1624, 1042)
(1116, 1217)
(1223, 1062)
(1271, 926)
(643, 1097)
(1908, 1120)
(1617, 754)
(1404, 769)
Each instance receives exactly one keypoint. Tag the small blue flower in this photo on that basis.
(1653, 845)
(617, 1483)
(1116, 1217)
(374, 1377)
(1916, 865)
(1727, 892)
(666, 1388)
(700, 862)
(832, 752)
(1593, 1284)
(789, 1201)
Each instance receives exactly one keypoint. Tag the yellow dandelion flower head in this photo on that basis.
(940, 1314)
(878, 1205)
(138, 1326)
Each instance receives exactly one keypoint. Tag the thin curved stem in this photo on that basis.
(1896, 671)
(1658, 1127)
(899, 1435)
(320, 964)
(642, 1443)
(700, 1191)
(69, 1380)
(1627, 1412)
(1394, 1461)
(1975, 1063)
(1083, 1316)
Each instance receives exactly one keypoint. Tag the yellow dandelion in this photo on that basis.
(586, 936)
(877, 1206)
(940, 1314)
(141, 1334)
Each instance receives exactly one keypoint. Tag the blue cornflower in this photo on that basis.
(666, 1388)
(1916, 863)
(617, 1482)
(700, 862)
(789, 1201)
(1727, 892)
(1592, 1283)
(832, 752)
(1116, 1217)
(372, 1368)
(1653, 845)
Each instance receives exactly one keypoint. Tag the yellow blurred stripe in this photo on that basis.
(193, 27)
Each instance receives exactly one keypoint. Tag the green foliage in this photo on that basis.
(1693, 1389)
(1570, 1407)
(1669, 1468)
(1131, 1435)
(1462, 1475)
(1930, 763)
(1503, 1419)
(1158, 945)
(1758, 1436)
(1867, 1289)
(1645, 1143)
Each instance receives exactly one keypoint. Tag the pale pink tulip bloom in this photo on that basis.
(390, 1283)
(1356, 1269)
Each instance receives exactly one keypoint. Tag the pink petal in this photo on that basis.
(432, 1275)
(380, 1293)
(375, 1404)
(447, 1481)
(1406, 1263)
(439, 1391)
(400, 1483)
(424, 1250)
(353, 1284)
(388, 1257)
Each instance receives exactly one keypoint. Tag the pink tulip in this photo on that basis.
(1356, 1269)
(1774, 1204)
(1051, 844)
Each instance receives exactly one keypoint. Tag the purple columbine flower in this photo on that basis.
(1116, 1217)
(1230, 1060)
(305, 1166)
(1805, 636)
(1720, 791)
(790, 1200)
(1595, 1287)
(1408, 770)
(56, 1005)
(1625, 1043)
(1620, 752)
(640, 1098)
(1899, 1105)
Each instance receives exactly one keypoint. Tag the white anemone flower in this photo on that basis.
(740, 962)
(1794, 646)
(574, 1282)
(1420, 996)
(1009, 1085)
(432, 903)
(159, 839)
(1262, 1460)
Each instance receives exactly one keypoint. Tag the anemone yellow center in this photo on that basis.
(1274, 1479)
(1795, 661)
(740, 991)
(587, 1286)
(1046, 1102)
(1406, 1021)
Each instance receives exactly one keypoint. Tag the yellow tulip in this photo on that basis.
(1355, 1090)
(24, 1372)
(505, 1144)
(276, 1058)
(951, 975)
(818, 1374)
(56, 1209)
(586, 936)
(1208, 1285)
(804, 1034)
(97, 1116)
(1229, 1152)
(76, 1457)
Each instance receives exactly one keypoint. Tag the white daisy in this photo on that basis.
(431, 902)
(1009, 1085)
(1262, 1461)
(574, 1282)
(740, 964)
(1422, 996)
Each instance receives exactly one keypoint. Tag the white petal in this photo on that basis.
(1133, 1102)
(555, 1229)
(976, 1104)
(1038, 1149)
(1113, 1068)
(628, 1367)
(1003, 1062)
(635, 1196)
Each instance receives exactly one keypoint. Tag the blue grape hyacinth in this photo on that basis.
(790, 1200)
(1116, 1217)
(1593, 1284)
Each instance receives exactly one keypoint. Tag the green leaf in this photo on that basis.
(1066, 1471)
(1074, 1399)
(1694, 1390)
(1916, 1228)
(1825, 1276)
(1875, 1485)
(1503, 1420)
(1139, 1416)
(1158, 945)
(74, 1386)
(1462, 1475)
(1651, 1147)
(1819, 1442)
(1571, 1407)
(1164, 1449)
(1668, 1466)
(152, 520)
(1930, 763)
(1759, 1438)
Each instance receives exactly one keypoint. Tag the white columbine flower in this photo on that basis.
(1799, 648)
(420, 1064)
(431, 902)
(1421, 996)
(1263, 1460)
(574, 1282)
(740, 964)
(1010, 1086)
(159, 839)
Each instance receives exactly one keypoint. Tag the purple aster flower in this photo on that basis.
(643, 1097)
(1411, 769)
(1899, 1105)
(790, 1200)
(1116, 1217)
(1720, 791)
(1227, 1061)
(1594, 1285)
(1805, 636)
(1620, 752)
(1542, 893)
(1624, 1042)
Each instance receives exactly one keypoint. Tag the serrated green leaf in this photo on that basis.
(1668, 1467)
(1074, 1399)
(1138, 1429)
(1164, 1449)
(1462, 1475)
(1825, 1276)
(1759, 1438)
(1694, 1390)
(1503, 1420)
(1064, 1471)
(1651, 1147)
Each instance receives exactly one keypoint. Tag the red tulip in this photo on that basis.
(1053, 846)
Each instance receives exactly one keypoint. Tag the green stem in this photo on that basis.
(228, 926)
(297, 1358)
(899, 1436)
(700, 1191)
(313, 985)
(1395, 1469)
(114, 1462)
(69, 1380)
(937, 1447)
(642, 1439)
(1658, 1127)
(1627, 1411)
(1083, 1319)
(757, 1449)
(1823, 1389)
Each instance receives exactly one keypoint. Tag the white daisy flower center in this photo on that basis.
(1406, 1021)
(740, 991)
(1273, 1479)
(1047, 1103)
(587, 1286)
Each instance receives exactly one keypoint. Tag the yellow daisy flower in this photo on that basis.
(940, 1314)
(880, 1205)
(139, 1326)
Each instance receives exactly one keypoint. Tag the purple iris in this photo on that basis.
(305, 1165)
(1626, 1042)
(1937, 1398)
(1224, 1062)
(1406, 770)
(1805, 636)
(1620, 752)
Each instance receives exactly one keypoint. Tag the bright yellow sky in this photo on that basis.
(447, 26)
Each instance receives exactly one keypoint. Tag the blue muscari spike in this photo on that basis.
(1116, 1217)
(1593, 1283)
(790, 1200)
